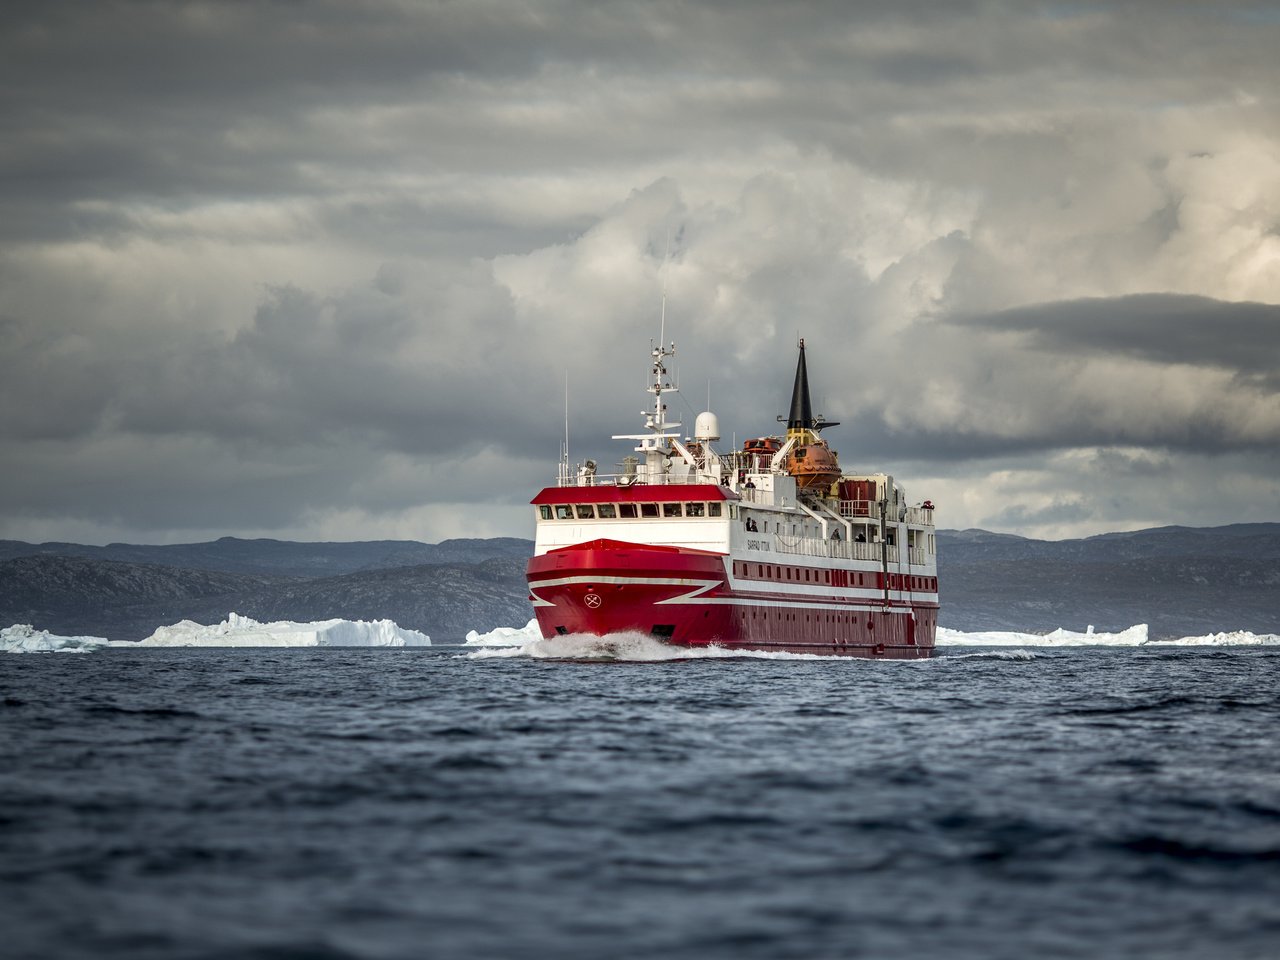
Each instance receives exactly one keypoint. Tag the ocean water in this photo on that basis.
(440, 802)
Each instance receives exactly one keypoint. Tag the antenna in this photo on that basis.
(666, 253)
(564, 462)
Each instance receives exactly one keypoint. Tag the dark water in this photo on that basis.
(414, 803)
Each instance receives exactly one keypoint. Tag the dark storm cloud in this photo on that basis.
(1159, 328)
(289, 258)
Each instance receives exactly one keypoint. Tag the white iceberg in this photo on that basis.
(1135, 636)
(1234, 638)
(505, 636)
(238, 631)
(24, 638)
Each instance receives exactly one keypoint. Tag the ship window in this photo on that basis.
(627, 511)
(713, 509)
(607, 511)
(671, 509)
(585, 512)
(544, 511)
(694, 509)
(564, 511)
(759, 570)
(648, 509)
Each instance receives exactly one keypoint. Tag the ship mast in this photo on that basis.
(655, 446)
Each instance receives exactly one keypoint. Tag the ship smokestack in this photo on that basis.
(801, 417)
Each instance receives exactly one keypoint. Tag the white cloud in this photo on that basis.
(386, 239)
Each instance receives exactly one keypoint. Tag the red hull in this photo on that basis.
(690, 598)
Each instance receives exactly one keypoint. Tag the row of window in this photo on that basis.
(839, 578)
(627, 511)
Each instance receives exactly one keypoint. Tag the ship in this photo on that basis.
(767, 547)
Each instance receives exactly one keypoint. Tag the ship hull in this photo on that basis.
(692, 598)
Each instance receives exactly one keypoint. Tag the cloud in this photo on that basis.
(263, 265)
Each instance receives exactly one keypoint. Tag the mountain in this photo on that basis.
(76, 595)
(127, 601)
(282, 557)
(1182, 581)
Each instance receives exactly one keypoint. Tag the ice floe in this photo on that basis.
(1132, 637)
(505, 636)
(238, 631)
(24, 638)
(1135, 636)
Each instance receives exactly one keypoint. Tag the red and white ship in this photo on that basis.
(770, 547)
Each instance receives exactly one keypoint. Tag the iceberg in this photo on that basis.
(1135, 636)
(505, 636)
(24, 638)
(1234, 638)
(238, 631)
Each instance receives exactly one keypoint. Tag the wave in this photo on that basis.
(627, 646)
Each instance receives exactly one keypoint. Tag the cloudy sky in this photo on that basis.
(321, 270)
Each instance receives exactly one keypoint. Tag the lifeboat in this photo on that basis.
(762, 449)
(813, 465)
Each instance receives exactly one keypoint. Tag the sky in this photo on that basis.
(326, 270)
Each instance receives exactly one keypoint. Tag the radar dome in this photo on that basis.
(706, 427)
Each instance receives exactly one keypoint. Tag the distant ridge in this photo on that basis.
(282, 557)
(1183, 581)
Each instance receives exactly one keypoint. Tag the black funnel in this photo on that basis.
(801, 417)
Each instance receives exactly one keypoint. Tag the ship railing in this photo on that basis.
(871, 509)
(836, 549)
(915, 555)
(631, 479)
(860, 508)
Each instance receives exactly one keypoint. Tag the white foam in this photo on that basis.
(505, 636)
(24, 638)
(627, 646)
(238, 631)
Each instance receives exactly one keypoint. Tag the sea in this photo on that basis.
(1086, 802)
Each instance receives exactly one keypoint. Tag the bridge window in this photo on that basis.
(544, 511)
(585, 512)
(627, 511)
(648, 510)
(671, 509)
(694, 509)
(564, 511)
(713, 509)
(606, 511)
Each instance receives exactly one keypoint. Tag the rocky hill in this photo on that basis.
(127, 601)
(1182, 581)
(282, 557)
